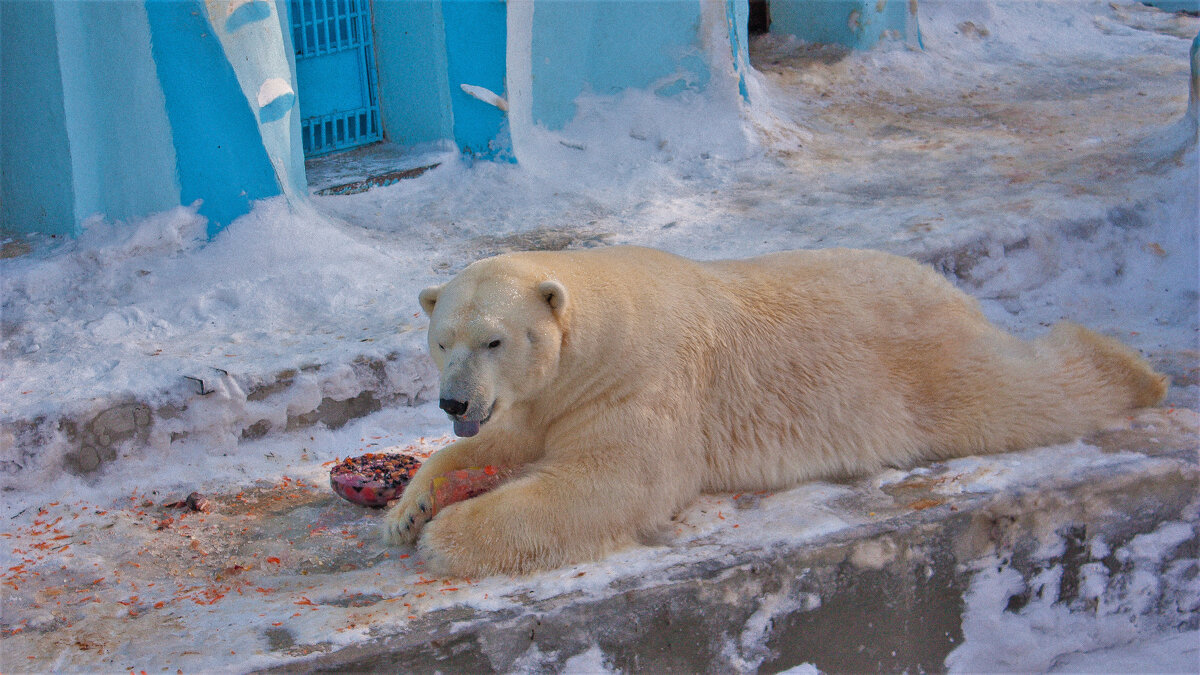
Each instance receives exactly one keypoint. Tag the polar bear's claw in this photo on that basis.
(404, 522)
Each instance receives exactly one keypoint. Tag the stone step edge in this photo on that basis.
(837, 604)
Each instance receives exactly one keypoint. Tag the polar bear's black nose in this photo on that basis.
(453, 407)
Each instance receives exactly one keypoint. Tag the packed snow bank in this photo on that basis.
(128, 308)
(147, 333)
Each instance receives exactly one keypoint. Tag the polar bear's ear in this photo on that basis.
(429, 298)
(555, 295)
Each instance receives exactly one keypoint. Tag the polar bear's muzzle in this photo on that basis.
(457, 410)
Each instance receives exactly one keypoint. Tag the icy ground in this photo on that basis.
(1036, 152)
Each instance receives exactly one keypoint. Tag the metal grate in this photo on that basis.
(335, 67)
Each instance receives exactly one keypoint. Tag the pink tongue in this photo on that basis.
(465, 429)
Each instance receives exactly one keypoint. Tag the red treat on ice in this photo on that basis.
(373, 479)
(461, 484)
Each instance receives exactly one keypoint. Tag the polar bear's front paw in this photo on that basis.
(404, 522)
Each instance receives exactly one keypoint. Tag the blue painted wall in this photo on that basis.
(127, 107)
(606, 46)
(476, 41)
(1175, 5)
(414, 86)
(35, 159)
(221, 159)
(257, 42)
(122, 157)
(858, 24)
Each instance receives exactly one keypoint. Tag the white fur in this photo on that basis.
(628, 380)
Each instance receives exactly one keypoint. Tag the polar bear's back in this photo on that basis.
(821, 363)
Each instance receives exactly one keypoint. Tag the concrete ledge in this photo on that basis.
(886, 596)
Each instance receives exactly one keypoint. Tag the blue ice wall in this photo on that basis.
(858, 24)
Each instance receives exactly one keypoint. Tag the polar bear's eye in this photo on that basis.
(442, 347)
(493, 344)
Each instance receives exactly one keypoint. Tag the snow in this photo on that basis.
(1121, 628)
(1034, 152)
(587, 663)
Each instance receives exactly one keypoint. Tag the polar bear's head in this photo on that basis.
(495, 332)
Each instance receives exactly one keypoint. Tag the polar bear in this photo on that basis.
(623, 382)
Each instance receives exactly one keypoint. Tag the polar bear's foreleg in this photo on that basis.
(579, 507)
(404, 521)
(534, 522)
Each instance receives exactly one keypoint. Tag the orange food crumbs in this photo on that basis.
(159, 604)
(304, 601)
(277, 623)
(273, 559)
(720, 515)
